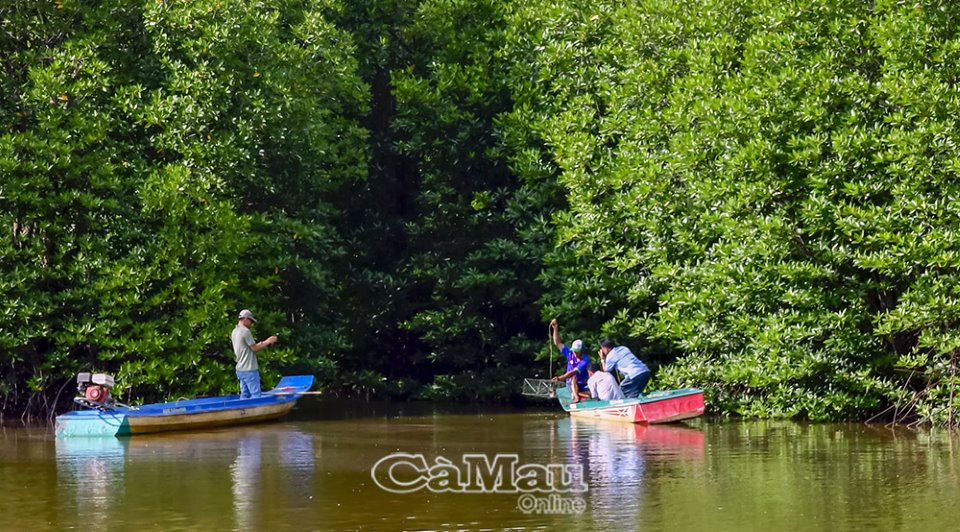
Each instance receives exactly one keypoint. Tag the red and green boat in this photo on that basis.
(655, 407)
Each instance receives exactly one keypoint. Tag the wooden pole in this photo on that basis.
(550, 342)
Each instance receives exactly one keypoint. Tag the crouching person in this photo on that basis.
(602, 385)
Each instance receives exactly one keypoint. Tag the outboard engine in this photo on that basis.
(93, 390)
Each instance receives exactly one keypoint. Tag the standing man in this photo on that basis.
(602, 385)
(245, 349)
(636, 375)
(576, 374)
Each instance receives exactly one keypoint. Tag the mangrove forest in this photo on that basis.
(760, 198)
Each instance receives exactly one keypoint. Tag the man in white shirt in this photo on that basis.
(602, 385)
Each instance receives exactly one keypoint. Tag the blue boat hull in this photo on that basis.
(185, 415)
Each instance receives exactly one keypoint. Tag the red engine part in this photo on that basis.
(97, 393)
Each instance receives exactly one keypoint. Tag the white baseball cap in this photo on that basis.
(246, 314)
(577, 345)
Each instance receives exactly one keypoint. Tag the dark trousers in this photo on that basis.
(633, 387)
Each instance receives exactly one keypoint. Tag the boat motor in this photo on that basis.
(93, 390)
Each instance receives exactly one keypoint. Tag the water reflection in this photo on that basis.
(244, 473)
(249, 477)
(315, 475)
(298, 455)
(90, 471)
(616, 457)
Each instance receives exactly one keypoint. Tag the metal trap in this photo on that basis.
(544, 388)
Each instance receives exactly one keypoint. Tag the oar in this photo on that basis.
(296, 393)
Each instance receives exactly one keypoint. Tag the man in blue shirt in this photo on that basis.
(636, 375)
(577, 364)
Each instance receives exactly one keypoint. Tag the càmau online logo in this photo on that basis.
(476, 473)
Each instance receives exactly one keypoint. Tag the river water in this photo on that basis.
(327, 467)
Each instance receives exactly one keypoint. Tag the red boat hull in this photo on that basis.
(656, 407)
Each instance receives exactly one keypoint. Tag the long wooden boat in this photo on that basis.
(190, 414)
(655, 407)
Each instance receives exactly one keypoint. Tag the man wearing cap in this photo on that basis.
(577, 363)
(245, 349)
(636, 375)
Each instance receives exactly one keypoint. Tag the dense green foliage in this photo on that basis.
(766, 190)
(163, 166)
(447, 240)
(760, 198)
